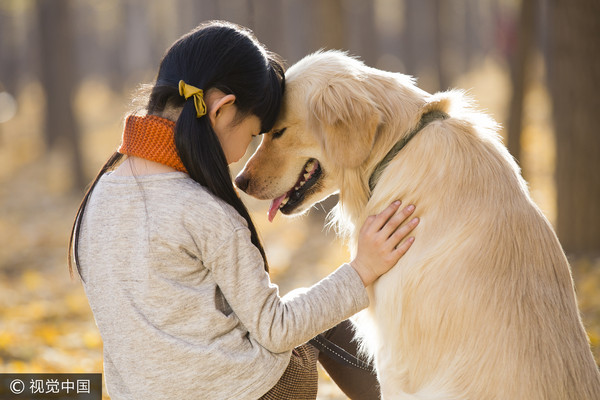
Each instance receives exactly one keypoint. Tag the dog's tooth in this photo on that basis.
(306, 175)
(284, 202)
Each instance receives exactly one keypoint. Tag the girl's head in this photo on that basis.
(243, 86)
(224, 56)
(222, 59)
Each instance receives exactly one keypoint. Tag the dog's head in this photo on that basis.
(328, 124)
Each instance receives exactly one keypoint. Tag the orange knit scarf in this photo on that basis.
(151, 138)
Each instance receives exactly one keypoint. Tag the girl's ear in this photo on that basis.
(215, 103)
(345, 120)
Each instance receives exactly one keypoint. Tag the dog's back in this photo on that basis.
(483, 306)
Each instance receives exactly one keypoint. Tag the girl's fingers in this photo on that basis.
(401, 232)
(379, 221)
(391, 226)
(403, 248)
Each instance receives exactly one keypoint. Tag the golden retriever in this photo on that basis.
(483, 305)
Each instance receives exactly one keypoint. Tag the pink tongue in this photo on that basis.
(275, 207)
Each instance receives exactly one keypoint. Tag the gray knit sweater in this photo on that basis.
(181, 298)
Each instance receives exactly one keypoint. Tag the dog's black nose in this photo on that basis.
(242, 182)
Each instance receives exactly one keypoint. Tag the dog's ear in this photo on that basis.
(345, 120)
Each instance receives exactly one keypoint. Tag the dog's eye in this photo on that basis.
(277, 134)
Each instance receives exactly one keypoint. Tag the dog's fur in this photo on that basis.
(482, 306)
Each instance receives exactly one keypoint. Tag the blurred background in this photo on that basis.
(68, 69)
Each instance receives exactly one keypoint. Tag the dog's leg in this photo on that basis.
(391, 380)
(394, 381)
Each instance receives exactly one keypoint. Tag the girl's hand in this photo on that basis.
(379, 247)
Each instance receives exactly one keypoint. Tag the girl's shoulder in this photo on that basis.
(201, 203)
(176, 193)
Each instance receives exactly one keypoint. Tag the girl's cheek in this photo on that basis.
(245, 147)
(239, 154)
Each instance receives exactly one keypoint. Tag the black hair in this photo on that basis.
(218, 55)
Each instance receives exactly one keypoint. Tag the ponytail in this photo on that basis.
(203, 157)
(73, 252)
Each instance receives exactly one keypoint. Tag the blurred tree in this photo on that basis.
(361, 39)
(136, 44)
(236, 11)
(268, 24)
(311, 25)
(421, 49)
(472, 33)
(59, 77)
(115, 69)
(190, 13)
(574, 82)
(409, 24)
(412, 31)
(440, 32)
(520, 57)
(330, 24)
(8, 60)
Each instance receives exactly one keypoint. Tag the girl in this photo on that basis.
(170, 260)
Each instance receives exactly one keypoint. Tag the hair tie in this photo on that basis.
(188, 91)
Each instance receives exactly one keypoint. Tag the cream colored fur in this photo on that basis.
(482, 306)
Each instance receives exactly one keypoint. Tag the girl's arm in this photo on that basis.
(280, 324)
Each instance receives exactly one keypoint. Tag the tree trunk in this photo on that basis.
(330, 24)
(59, 79)
(8, 54)
(362, 39)
(574, 82)
(520, 62)
(269, 26)
(439, 44)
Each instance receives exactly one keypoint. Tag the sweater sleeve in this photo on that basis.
(280, 324)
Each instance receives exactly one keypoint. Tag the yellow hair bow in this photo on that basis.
(188, 91)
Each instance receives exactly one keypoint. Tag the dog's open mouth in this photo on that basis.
(306, 180)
